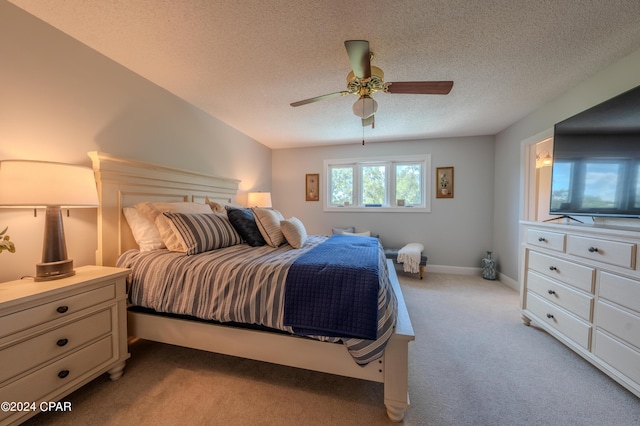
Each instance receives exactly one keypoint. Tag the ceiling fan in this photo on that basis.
(366, 79)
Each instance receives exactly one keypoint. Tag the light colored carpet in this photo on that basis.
(473, 363)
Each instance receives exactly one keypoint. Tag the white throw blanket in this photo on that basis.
(409, 256)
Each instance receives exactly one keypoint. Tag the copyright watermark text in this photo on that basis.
(21, 406)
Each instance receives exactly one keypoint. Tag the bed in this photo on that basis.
(124, 183)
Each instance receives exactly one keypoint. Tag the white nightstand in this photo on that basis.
(56, 336)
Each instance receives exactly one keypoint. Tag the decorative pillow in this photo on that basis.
(343, 230)
(144, 231)
(153, 212)
(268, 221)
(202, 232)
(220, 208)
(358, 234)
(294, 232)
(245, 224)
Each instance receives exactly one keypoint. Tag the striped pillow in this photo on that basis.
(268, 221)
(202, 232)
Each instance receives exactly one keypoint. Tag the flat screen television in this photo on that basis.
(596, 160)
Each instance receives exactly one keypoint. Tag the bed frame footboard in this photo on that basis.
(292, 351)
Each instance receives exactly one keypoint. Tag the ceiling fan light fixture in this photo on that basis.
(365, 107)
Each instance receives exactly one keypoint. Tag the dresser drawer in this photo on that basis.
(576, 275)
(554, 316)
(620, 356)
(36, 315)
(550, 240)
(38, 350)
(621, 290)
(620, 323)
(577, 303)
(612, 252)
(48, 379)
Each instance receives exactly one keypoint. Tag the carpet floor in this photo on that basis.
(473, 363)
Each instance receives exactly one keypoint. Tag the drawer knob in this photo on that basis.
(551, 292)
(553, 268)
(542, 239)
(62, 309)
(63, 374)
(550, 316)
(593, 249)
(62, 342)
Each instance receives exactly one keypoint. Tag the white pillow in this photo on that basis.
(153, 212)
(268, 222)
(294, 232)
(144, 231)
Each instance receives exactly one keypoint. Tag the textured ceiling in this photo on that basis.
(245, 61)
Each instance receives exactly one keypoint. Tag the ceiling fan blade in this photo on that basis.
(359, 57)
(319, 98)
(420, 87)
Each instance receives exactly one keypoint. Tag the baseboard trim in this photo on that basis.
(456, 270)
(509, 282)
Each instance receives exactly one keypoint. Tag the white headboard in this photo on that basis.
(123, 183)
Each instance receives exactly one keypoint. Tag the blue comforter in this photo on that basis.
(332, 290)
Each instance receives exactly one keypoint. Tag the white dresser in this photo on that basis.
(56, 336)
(582, 285)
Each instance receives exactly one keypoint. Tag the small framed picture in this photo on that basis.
(444, 182)
(312, 187)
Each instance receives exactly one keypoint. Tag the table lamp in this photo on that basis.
(53, 186)
(259, 199)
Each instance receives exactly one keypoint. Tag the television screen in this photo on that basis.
(596, 160)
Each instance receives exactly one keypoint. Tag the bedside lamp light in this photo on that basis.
(53, 186)
(259, 199)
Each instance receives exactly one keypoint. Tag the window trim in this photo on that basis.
(357, 163)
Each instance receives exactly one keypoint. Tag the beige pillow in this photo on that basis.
(268, 222)
(153, 211)
(294, 232)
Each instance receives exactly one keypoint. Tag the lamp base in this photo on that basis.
(54, 270)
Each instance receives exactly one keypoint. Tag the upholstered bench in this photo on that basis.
(392, 253)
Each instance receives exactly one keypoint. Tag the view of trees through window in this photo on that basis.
(342, 185)
(378, 183)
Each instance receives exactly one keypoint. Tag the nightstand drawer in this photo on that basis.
(621, 290)
(618, 355)
(620, 323)
(578, 276)
(31, 317)
(616, 253)
(550, 240)
(577, 303)
(61, 373)
(554, 316)
(38, 350)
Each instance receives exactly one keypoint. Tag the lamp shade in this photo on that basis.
(259, 199)
(365, 107)
(42, 184)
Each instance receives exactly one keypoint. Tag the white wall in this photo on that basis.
(60, 99)
(457, 232)
(613, 80)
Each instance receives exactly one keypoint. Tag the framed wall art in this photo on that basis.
(444, 182)
(312, 187)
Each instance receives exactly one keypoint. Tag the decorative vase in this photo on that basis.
(488, 267)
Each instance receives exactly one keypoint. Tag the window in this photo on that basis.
(378, 184)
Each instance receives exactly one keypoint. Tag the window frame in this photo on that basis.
(390, 183)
